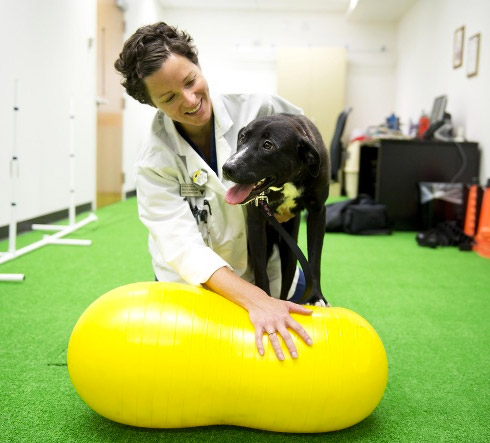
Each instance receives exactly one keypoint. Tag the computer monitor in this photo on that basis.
(437, 117)
(438, 109)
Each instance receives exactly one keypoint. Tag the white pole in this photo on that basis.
(71, 208)
(71, 169)
(14, 174)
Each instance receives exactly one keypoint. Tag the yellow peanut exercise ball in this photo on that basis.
(169, 355)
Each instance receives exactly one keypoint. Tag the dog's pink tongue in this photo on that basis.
(236, 194)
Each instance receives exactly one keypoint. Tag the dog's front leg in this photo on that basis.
(315, 234)
(288, 258)
(257, 243)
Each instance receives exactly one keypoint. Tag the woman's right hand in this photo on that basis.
(268, 315)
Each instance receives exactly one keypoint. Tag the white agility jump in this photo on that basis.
(62, 230)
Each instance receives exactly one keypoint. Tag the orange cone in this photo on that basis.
(482, 237)
(471, 209)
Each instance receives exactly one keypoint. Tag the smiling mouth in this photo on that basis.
(245, 193)
(195, 110)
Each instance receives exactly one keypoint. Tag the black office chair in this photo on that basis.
(336, 147)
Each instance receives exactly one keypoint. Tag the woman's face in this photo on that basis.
(180, 91)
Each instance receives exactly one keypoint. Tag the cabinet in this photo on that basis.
(390, 170)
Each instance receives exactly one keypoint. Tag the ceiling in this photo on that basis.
(261, 5)
(362, 11)
(383, 11)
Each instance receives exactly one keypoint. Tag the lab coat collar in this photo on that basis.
(222, 119)
(191, 159)
(222, 124)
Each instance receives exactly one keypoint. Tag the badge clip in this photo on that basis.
(200, 177)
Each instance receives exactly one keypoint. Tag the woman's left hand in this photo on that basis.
(268, 315)
(273, 317)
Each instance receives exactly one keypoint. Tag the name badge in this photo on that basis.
(191, 190)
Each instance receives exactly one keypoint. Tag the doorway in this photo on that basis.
(110, 103)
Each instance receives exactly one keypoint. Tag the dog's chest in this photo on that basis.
(286, 200)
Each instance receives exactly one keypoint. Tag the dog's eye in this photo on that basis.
(241, 137)
(268, 145)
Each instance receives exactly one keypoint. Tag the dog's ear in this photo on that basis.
(309, 156)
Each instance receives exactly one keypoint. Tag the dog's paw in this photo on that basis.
(320, 302)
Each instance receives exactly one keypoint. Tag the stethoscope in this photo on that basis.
(201, 215)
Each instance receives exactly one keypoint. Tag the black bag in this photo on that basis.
(361, 216)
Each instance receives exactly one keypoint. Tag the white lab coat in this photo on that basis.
(183, 250)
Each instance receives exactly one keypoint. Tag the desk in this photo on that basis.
(390, 170)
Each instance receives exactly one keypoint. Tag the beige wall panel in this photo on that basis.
(110, 38)
(314, 79)
(109, 154)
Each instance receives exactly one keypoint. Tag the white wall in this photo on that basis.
(425, 68)
(45, 45)
(238, 53)
(47, 48)
(137, 117)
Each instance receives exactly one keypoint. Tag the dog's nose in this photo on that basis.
(227, 170)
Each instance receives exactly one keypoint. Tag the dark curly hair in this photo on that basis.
(146, 50)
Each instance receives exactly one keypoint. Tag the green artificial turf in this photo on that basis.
(430, 308)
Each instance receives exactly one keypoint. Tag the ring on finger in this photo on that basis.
(271, 333)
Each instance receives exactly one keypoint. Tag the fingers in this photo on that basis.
(288, 341)
(298, 309)
(296, 327)
(274, 342)
(258, 341)
(276, 345)
(273, 337)
(275, 321)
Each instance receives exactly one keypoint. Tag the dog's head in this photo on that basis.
(271, 151)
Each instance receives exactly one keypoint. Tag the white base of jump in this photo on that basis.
(12, 277)
(37, 227)
(55, 239)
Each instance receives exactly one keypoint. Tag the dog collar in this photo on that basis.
(261, 199)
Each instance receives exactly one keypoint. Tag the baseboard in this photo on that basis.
(25, 226)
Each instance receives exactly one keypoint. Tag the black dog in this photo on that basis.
(282, 158)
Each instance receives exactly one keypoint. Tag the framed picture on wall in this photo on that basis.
(473, 55)
(458, 46)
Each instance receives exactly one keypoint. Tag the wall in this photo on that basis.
(425, 68)
(318, 66)
(46, 46)
(238, 53)
(137, 117)
(50, 47)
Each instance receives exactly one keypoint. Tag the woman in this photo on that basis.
(195, 237)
